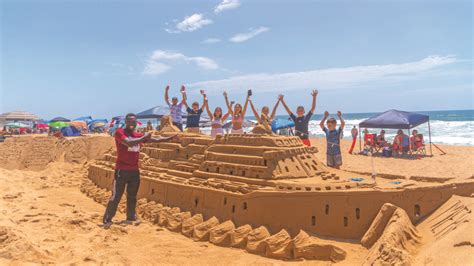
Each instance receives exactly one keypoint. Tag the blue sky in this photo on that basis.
(106, 58)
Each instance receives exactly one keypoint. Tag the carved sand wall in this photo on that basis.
(268, 181)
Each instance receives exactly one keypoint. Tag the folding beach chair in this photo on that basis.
(370, 143)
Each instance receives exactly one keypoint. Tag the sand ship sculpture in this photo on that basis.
(271, 195)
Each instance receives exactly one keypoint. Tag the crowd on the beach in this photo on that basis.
(401, 144)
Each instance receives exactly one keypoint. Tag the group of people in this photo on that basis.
(237, 115)
(401, 143)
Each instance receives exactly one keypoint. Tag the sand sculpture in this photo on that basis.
(271, 196)
(35, 153)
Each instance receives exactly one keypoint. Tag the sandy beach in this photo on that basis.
(45, 218)
(456, 163)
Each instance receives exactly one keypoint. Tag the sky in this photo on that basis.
(107, 58)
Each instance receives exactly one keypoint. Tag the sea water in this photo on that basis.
(447, 127)
(454, 127)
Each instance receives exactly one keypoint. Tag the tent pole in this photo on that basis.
(360, 143)
(429, 133)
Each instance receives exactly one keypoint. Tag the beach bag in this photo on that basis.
(387, 152)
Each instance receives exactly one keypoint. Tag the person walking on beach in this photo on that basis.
(333, 138)
(354, 134)
(194, 113)
(127, 174)
(175, 108)
(301, 121)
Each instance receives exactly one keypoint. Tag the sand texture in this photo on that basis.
(457, 163)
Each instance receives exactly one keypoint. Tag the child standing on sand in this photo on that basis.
(333, 138)
(194, 113)
(301, 121)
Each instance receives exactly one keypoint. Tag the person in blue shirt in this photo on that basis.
(194, 113)
(333, 138)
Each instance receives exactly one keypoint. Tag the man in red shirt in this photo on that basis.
(127, 174)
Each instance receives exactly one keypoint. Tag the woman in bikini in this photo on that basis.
(217, 120)
(265, 119)
(238, 115)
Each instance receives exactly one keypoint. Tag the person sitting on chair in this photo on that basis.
(380, 141)
(416, 140)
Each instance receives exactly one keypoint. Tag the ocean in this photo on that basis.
(454, 127)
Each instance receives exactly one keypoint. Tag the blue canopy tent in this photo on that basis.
(155, 112)
(395, 119)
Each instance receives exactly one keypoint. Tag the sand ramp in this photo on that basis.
(36, 152)
(449, 230)
(391, 238)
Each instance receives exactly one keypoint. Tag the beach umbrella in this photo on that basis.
(41, 126)
(59, 119)
(281, 124)
(17, 125)
(58, 124)
(79, 124)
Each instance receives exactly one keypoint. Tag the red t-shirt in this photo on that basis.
(127, 157)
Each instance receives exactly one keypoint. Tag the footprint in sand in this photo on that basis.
(13, 196)
(67, 205)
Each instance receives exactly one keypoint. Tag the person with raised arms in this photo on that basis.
(194, 113)
(217, 119)
(175, 108)
(265, 118)
(301, 120)
(237, 114)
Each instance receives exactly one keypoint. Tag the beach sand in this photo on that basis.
(458, 162)
(44, 218)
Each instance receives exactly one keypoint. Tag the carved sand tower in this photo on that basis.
(238, 190)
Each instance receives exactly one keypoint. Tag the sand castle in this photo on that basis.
(270, 195)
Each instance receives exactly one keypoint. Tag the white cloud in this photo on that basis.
(153, 68)
(226, 5)
(331, 78)
(211, 40)
(191, 23)
(242, 37)
(160, 60)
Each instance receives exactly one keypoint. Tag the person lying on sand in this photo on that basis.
(127, 141)
(301, 121)
(333, 138)
(194, 114)
(175, 108)
(238, 114)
